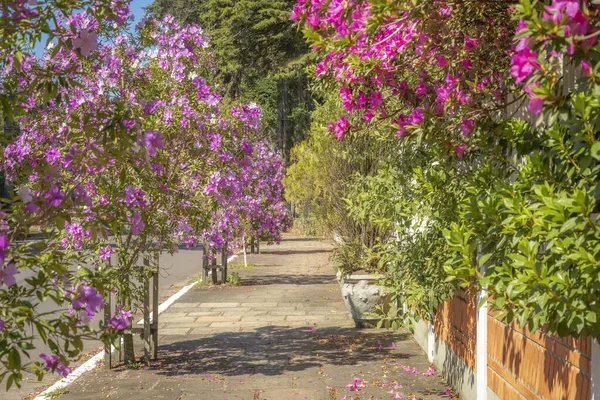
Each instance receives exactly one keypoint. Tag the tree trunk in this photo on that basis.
(127, 349)
(282, 134)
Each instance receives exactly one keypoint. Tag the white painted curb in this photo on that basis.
(92, 362)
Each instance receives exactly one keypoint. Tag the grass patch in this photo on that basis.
(135, 365)
(234, 279)
(242, 266)
(56, 393)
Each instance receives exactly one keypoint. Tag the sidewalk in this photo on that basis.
(283, 334)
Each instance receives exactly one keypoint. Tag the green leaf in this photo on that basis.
(14, 359)
(595, 151)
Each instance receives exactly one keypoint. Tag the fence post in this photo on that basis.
(481, 350)
(595, 370)
(430, 340)
(205, 261)
(107, 316)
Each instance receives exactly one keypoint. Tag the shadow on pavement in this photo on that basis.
(273, 350)
(293, 252)
(288, 280)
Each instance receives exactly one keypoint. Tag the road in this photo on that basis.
(176, 271)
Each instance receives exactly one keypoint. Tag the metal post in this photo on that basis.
(257, 245)
(146, 312)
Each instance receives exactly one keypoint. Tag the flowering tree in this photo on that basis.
(431, 69)
(125, 149)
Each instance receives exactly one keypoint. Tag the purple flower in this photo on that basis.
(523, 64)
(25, 194)
(54, 196)
(53, 362)
(137, 225)
(121, 319)
(106, 252)
(153, 141)
(467, 64)
(7, 275)
(88, 297)
(86, 42)
(1, 325)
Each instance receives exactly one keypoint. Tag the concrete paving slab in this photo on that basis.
(283, 335)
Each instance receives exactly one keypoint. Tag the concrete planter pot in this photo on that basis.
(362, 294)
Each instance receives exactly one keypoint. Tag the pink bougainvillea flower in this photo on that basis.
(448, 392)
(340, 128)
(586, 67)
(523, 64)
(398, 396)
(86, 42)
(471, 43)
(467, 64)
(460, 150)
(418, 116)
(442, 61)
(536, 101)
(7, 275)
(376, 100)
(467, 126)
(431, 371)
(421, 89)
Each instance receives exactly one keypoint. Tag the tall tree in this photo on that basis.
(260, 56)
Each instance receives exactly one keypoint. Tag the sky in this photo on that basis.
(136, 9)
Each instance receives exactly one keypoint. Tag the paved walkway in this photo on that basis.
(283, 334)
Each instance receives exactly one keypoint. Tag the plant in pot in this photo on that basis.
(358, 260)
